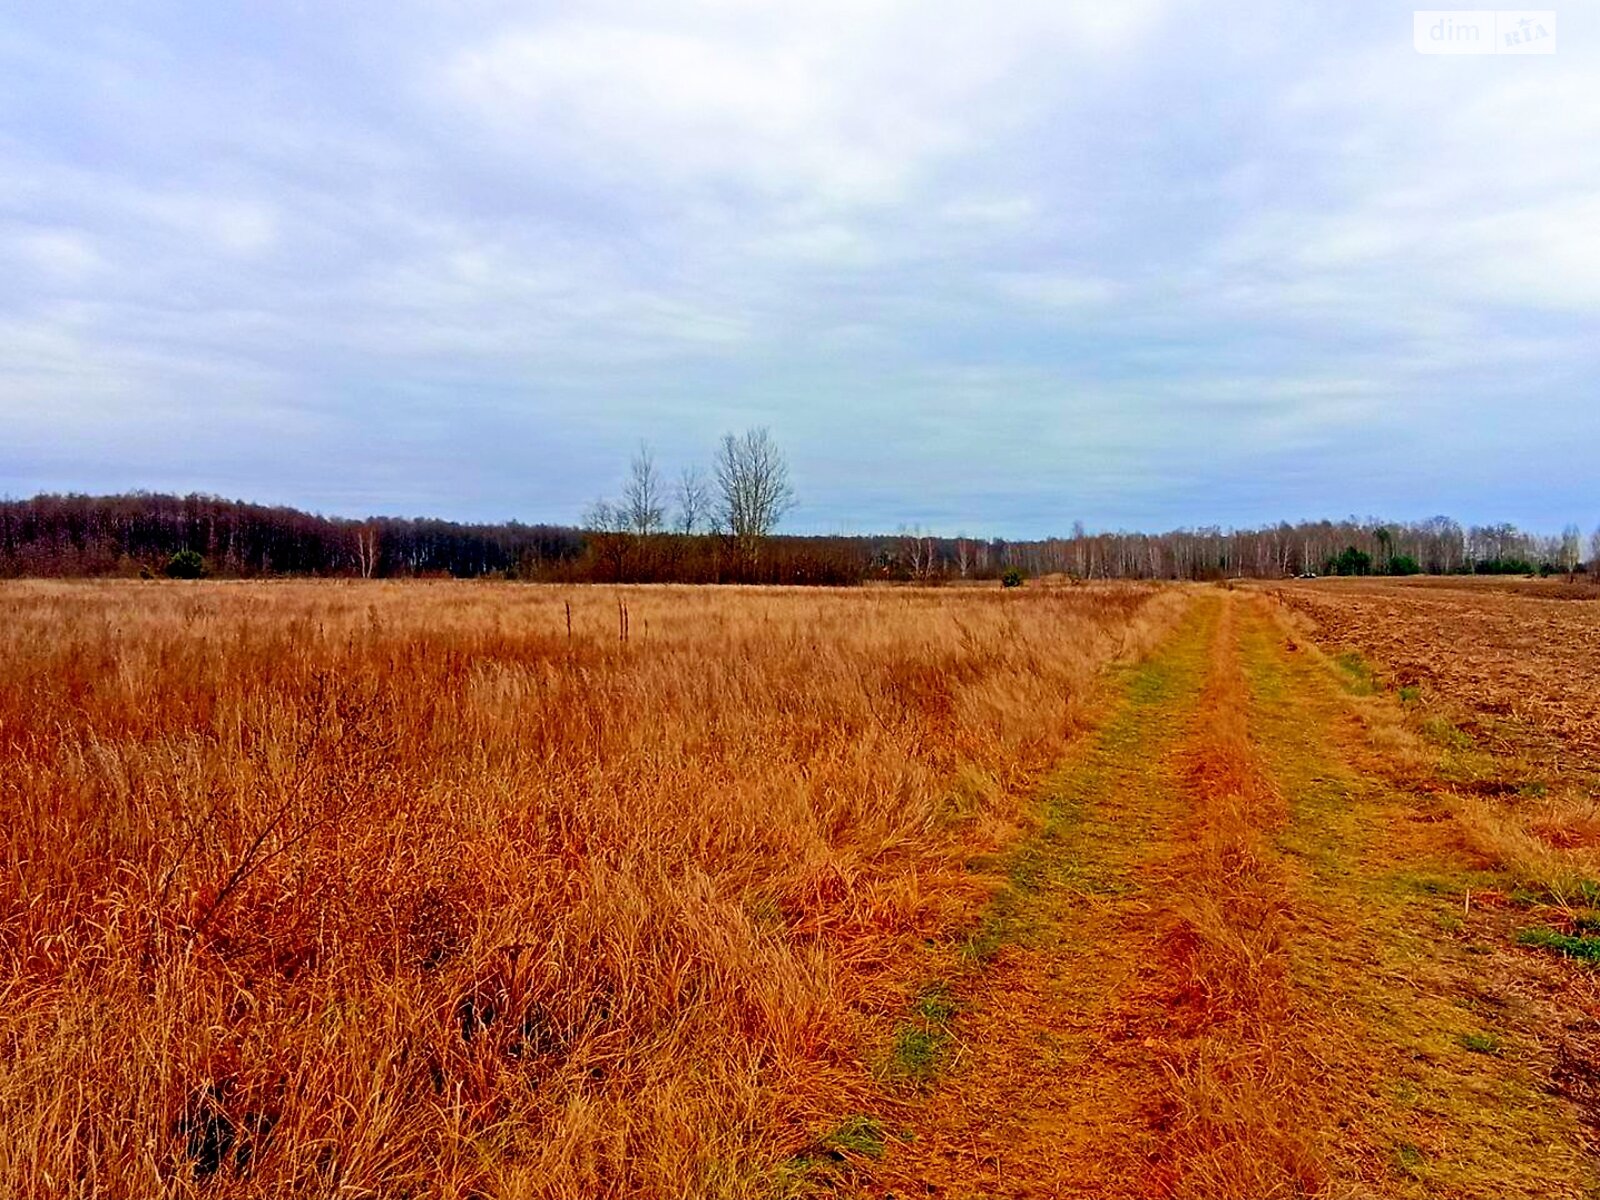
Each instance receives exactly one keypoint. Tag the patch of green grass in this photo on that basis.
(1533, 789)
(936, 1005)
(921, 1044)
(1442, 732)
(1358, 673)
(1583, 947)
(1410, 695)
(858, 1135)
(818, 1170)
(984, 942)
(1568, 892)
(1479, 1043)
(1408, 1158)
(918, 1052)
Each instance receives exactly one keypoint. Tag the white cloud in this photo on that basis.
(1055, 290)
(62, 255)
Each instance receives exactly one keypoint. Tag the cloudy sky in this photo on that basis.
(981, 268)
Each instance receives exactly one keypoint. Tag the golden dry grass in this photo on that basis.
(1138, 1032)
(385, 889)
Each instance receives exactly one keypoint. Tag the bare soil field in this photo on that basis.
(1518, 660)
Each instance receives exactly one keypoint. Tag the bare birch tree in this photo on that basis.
(642, 499)
(919, 552)
(693, 495)
(1571, 548)
(753, 479)
(367, 549)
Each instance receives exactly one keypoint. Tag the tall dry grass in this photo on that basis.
(388, 889)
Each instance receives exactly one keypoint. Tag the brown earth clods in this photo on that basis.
(1521, 661)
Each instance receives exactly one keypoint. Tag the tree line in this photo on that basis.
(719, 526)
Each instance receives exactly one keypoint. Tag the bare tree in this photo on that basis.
(693, 495)
(642, 501)
(963, 554)
(367, 549)
(1571, 548)
(605, 517)
(919, 549)
(610, 536)
(1594, 552)
(753, 477)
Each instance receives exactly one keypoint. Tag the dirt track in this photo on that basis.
(1242, 959)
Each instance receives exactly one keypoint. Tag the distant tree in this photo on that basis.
(186, 564)
(753, 479)
(1011, 578)
(1594, 552)
(1404, 564)
(610, 536)
(1511, 565)
(1571, 550)
(1385, 547)
(642, 499)
(921, 553)
(693, 496)
(367, 549)
(963, 555)
(1350, 561)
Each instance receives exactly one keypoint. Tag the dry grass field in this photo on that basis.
(1094, 892)
(402, 890)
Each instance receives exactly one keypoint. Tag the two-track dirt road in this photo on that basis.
(1241, 959)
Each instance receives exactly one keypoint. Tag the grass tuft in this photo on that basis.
(857, 1135)
(1479, 1043)
(1583, 947)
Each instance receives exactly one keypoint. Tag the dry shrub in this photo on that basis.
(396, 889)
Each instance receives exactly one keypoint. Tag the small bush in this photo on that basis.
(1012, 578)
(1404, 564)
(1503, 566)
(1349, 561)
(186, 564)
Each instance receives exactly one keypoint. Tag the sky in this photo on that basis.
(983, 269)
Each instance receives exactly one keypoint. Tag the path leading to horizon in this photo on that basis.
(1235, 962)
